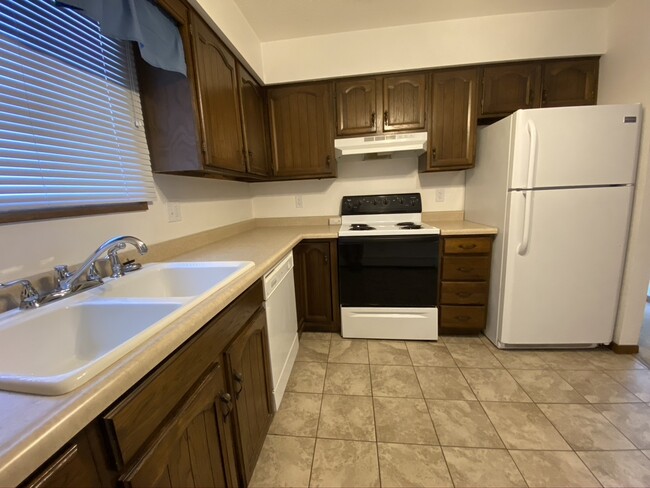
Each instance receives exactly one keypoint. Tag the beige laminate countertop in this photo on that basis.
(33, 428)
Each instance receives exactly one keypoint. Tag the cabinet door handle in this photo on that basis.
(385, 117)
(467, 246)
(326, 258)
(544, 96)
(250, 156)
(463, 318)
(463, 294)
(372, 120)
(433, 154)
(328, 160)
(239, 380)
(226, 399)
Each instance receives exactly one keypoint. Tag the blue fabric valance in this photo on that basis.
(140, 21)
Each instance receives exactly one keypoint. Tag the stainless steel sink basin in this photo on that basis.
(58, 347)
(51, 351)
(175, 279)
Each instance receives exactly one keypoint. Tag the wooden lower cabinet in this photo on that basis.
(247, 360)
(464, 285)
(316, 277)
(189, 450)
(196, 420)
(81, 462)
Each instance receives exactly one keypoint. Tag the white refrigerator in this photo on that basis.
(558, 184)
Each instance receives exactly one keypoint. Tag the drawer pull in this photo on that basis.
(467, 246)
(465, 270)
(463, 318)
(464, 294)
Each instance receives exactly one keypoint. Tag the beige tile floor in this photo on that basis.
(460, 413)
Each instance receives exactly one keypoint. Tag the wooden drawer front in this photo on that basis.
(457, 293)
(467, 245)
(459, 317)
(455, 268)
(138, 416)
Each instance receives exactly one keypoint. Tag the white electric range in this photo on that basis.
(388, 268)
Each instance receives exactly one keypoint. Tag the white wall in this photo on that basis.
(323, 197)
(33, 247)
(625, 78)
(434, 44)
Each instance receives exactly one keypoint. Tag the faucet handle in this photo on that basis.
(28, 297)
(62, 273)
(114, 259)
(93, 274)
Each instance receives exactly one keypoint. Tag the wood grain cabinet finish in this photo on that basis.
(248, 362)
(316, 277)
(252, 101)
(570, 82)
(510, 87)
(464, 286)
(404, 102)
(218, 95)
(356, 107)
(302, 130)
(188, 450)
(452, 120)
(81, 462)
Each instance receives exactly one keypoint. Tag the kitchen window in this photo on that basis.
(72, 139)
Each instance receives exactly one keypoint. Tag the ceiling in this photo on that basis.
(285, 19)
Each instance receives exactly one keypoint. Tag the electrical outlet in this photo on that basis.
(440, 195)
(298, 201)
(335, 220)
(174, 212)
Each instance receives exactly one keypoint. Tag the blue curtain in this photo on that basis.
(140, 21)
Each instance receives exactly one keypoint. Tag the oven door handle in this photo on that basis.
(394, 315)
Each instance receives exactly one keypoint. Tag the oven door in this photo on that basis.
(388, 271)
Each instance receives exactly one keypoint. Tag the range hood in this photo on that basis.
(381, 147)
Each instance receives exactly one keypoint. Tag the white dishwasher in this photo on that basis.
(281, 317)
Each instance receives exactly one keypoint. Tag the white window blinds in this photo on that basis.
(71, 132)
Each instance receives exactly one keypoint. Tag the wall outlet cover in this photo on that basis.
(335, 221)
(440, 195)
(298, 201)
(174, 212)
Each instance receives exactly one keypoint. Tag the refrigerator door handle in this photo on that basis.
(532, 155)
(522, 248)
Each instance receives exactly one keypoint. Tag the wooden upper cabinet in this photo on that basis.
(404, 102)
(510, 87)
(570, 82)
(187, 452)
(356, 107)
(302, 130)
(219, 104)
(452, 119)
(254, 125)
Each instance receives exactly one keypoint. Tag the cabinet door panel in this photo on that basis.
(254, 124)
(187, 452)
(248, 367)
(404, 102)
(508, 88)
(453, 119)
(314, 284)
(217, 81)
(356, 107)
(570, 82)
(302, 136)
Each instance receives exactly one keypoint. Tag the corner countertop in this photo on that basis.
(33, 428)
(461, 227)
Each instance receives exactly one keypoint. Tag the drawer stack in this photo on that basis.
(464, 283)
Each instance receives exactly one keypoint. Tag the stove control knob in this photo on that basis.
(385, 202)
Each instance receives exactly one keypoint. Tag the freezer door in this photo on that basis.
(563, 267)
(576, 146)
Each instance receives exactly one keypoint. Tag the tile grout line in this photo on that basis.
(320, 411)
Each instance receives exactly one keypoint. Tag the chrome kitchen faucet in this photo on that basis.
(69, 283)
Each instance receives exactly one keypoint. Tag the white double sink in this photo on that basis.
(60, 346)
